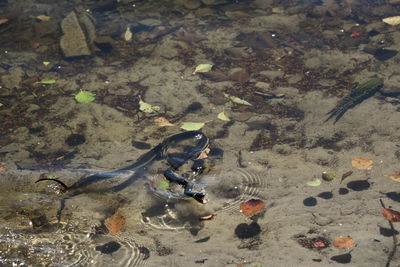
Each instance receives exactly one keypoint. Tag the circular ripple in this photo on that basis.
(228, 189)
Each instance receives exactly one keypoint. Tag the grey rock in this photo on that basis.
(392, 85)
(73, 43)
(13, 79)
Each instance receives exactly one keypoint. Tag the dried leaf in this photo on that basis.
(43, 18)
(207, 217)
(345, 175)
(147, 108)
(391, 215)
(392, 20)
(204, 154)
(395, 176)
(3, 20)
(222, 116)
(362, 163)
(192, 126)
(343, 242)
(203, 68)
(252, 206)
(115, 223)
(237, 100)
(2, 168)
(128, 34)
(316, 182)
(161, 122)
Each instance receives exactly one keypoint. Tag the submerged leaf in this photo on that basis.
(147, 108)
(391, 215)
(362, 163)
(85, 97)
(392, 20)
(161, 121)
(128, 34)
(46, 63)
(114, 223)
(343, 242)
(192, 126)
(203, 68)
(222, 116)
(48, 81)
(252, 206)
(43, 17)
(237, 100)
(162, 185)
(395, 176)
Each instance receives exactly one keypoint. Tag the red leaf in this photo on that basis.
(391, 215)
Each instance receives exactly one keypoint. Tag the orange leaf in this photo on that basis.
(252, 206)
(3, 20)
(362, 163)
(204, 154)
(343, 242)
(395, 176)
(391, 215)
(2, 168)
(114, 223)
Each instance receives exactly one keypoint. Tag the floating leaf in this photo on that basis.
(203, 68)
(316, 182)
(128, 34)
(85, 97)
(395, 176)
(147, 108)
(161, 122)
(43, 18)
(392, 20)
(329, 175)
(48, 81)
(237, 100)
(362, 163)
(46, 63)
(252, 206)
(192, 126)
(162, 185)
(222, 116)
(343, 242)
(115, 223)
(391, 215)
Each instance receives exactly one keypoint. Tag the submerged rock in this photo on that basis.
(74, 42)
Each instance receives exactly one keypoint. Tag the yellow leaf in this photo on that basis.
(237, 100)
(222, 116)
(43, 18)
(147, 108)
(192, 126)
(46, 63)
(392, 20)
(203, 68)
(128, 34)
(316, 182)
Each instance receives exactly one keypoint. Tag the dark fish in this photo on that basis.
(356, 96)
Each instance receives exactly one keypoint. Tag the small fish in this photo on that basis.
(356, 96)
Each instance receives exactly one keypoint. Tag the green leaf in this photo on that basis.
(85, 97)
(47, 81)
(237, 100)
(222, 116)
(316, 182)
(46, 63)
(162, 185)
(43, 18)
(203, 68)
(192, 126)
(147, 108)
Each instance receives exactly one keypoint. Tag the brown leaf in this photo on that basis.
(343, 242)
(252, 206)
(391, 215)
(3, 20)
(2, 168)
(345, 175)
(114, 223)
(395, 176)
(207, 217)
(204, 154)
(362, 163)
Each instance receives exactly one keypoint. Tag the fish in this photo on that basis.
(356, 96)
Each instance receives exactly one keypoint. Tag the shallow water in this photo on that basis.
(277, 69)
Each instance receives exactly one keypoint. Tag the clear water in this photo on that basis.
(278, 69)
